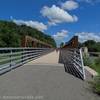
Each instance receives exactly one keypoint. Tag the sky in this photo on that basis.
(61, 19)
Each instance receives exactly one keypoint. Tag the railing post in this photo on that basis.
(22, 56)
(11, 58)
(81, 56)
(14, 57)
(74, 54)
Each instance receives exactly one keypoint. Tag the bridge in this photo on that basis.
(43, 74)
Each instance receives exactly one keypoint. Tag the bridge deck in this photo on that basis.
(46, 81)
(51, 58)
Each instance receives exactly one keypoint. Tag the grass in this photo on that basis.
(4, 62)
(8, 57)
(94, 63)
(96, 84)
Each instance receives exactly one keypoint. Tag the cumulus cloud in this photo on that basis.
(84, 36)
(60, 36)
(89, 1)
(57, 15)
(70, 5)
(34, 24)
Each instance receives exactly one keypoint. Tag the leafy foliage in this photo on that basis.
(97, 61)
(92, 45)
(94, 64)
(11, 34)
(87, 61)
(96, 84)
(62, 44)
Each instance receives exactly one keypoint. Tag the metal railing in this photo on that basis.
(73, 62)
(77, 60)
(95, 54)
(11, 58)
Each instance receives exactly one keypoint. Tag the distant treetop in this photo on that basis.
(11, 34)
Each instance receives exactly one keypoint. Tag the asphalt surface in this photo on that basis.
(50, 58)
(43, 82)
(44, 79)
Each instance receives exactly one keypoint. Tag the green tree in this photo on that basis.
(92, 45)
(62, 44)
(11, 34)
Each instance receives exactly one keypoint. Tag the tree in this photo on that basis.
(62, 44)
(11, 34)
(92, 45)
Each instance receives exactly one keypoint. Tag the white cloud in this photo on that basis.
(70, 5)
(84, 36)
(89, 1)
(60, 36)
(75, 18)
(57, 15)
(34, 24)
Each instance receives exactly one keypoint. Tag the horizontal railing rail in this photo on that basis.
(77, 61)
(73, 61)
(97, 54)
(11, 58)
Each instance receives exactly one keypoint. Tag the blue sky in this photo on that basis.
(61, 19)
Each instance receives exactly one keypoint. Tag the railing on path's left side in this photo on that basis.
(11, 58)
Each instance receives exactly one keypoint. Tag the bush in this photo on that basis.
(87, 61)
(95, 64)
(97, 61)
(96, 85)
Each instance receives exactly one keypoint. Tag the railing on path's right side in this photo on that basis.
(11, 58)
(73, 61)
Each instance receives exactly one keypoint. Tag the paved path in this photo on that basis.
(44, 82)
(51, 58)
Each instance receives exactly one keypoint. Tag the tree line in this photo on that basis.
(92, 45)
(11, 34)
